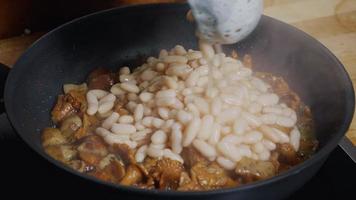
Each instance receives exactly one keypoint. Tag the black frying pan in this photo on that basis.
(118, 37)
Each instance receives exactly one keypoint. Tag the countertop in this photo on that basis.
(332, 22)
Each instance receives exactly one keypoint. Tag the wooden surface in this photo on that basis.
(332, 22)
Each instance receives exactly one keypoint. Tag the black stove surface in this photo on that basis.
(23, 172)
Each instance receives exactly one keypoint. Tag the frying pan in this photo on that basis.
(120, 36)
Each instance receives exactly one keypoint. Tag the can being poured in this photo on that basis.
(225, 21)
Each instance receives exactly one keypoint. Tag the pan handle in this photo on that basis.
(6, 130)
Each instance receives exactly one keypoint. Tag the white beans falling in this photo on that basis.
(197, 98)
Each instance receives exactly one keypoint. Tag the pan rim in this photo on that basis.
(320, 154)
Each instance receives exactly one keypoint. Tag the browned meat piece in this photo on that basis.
(167, 173)
(133, 176)
(100, 78)
(83, 131)
(72, 102)
(211, 176)
(69, 125)
(292, 100)
(126, 154)
(149, 184)
(78, 165)
(187, 184)
(61, 153)
(191, 156)
(287, 155)
(110, 169)
(247, 61)
(252, 170)
(52, 136)
(92, 150)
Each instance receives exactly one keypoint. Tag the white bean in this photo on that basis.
(105, 107)
(207, 50)
(116, 90)
(233, 139)
(244, 150)
(285, 121)
(240, 126)
(167, 125)
(124, 70)
(216, 106)
(139, 126)
(159, 137)
(251, 119)
(167, 153)
(145, 96)
(165, 101)
(141, 153)
(295, 138)
(193, 109)
(205, 149)
(283, 137)
(154, 152)
(258, 147)
(259, 84)
(99, 93)
(225, 130)
(148, 75)
(166, 94)
(229, 151)
(163, 113)
(126, 78)
(147, 121)
(123, 128)
(192, 78)
(225, 163)
(191, 131)
(194, 55)
(129, 87)
(108, 122)
(93, 103)
(215, 134)
(252, 137)
(180, 70)
(176, 138)
(157, 122)
(264, 155)
(175, 59)
(140, 135)
(255, 108)
(138, 113)
(183, 116)
(228, 115)
(102, 132)
(206, 127)
(202, 105)
(269, 144)
(171, 83)
(126, 119)
(268, 99)
(270, 134)
(269, 118)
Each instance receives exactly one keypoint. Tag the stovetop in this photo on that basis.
(23, 172)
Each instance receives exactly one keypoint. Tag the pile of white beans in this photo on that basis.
(198, 98)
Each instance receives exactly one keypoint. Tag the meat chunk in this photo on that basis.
(191, 157)
(187, 184)
(126, 154)
(68, 104)
(110, 169)
(78, 165)
(211, 176)
(133, 176)
(165, 172)
(52, 136)
(100, 78)
(287, 154)
(252, 170)
(70, 125)
(61, 153)
(92, 150)
(168, 172)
